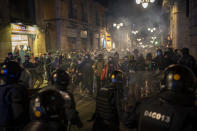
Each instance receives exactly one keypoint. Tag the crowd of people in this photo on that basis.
(118, 79)
(90, 70)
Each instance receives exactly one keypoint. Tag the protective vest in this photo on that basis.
(159, 115)
(105, 105)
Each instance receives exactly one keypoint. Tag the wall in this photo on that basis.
(178, 32)
(5, 40)
(5, 31)
(193, 27)
(39, 43)
(63, 32)
(183, 28)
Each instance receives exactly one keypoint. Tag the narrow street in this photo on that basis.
(98, 65)
(86, 107)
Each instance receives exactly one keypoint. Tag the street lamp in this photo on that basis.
(139, 39)
(152, 1)
(152, 29)
(144, 3)
(118, 25)
(138, 2)
(134, 32)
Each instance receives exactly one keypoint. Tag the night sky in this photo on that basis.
(134, 13)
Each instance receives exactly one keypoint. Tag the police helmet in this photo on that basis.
(61, 78)
(179, 79)
(118, 77)
(10, 72)
(47, 105)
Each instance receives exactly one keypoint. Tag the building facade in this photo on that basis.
(38, 26)
(183, 23)
(74, 24)
(21, 32)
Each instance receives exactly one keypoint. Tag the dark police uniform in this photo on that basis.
(106, 115)
(13, 98)
(172, 110)
(109, 104)
(160, 113)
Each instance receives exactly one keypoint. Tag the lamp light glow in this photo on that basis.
(144, 5)
(138, 2)
(152, 1)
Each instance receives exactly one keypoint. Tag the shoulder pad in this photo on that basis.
(65, 95)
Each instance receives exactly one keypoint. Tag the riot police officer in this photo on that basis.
(107, 114)
(13, 98)
(172, 109)
(53, 109)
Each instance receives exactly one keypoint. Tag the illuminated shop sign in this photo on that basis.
(16, 28)
(108, 38)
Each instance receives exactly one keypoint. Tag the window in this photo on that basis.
(84, 11)
(103, 21)
(97, 19)
(72, 10)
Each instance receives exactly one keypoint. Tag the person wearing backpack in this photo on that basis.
(173, 109)
(13, 98)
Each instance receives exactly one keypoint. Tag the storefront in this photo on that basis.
(108, 43)
(22, 38)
